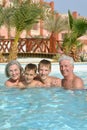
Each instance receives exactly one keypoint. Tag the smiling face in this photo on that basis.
(66, 68)
(29, 75)
(14, 72)
(44, 71)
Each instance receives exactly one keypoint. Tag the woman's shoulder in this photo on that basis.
(8, 83)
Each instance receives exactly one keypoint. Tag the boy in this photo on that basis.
(29, 75)
(44, 68)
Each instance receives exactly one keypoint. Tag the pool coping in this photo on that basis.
(37, 60)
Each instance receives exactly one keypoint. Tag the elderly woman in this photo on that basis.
(14, 72)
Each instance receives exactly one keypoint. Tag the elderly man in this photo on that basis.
(70, 80)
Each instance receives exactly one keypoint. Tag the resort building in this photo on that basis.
(38, 29)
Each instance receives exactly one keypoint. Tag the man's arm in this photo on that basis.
(78, 83)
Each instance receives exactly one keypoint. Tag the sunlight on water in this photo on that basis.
(43, 108)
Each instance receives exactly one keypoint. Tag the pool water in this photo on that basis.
(44, 108)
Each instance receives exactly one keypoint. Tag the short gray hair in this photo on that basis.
(13, 62)
(65, 57)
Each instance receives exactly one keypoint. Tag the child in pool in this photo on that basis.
(44, 69)
(30, 73)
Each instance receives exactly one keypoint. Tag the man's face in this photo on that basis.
(66, 68)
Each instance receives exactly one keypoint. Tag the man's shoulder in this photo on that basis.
(78, 82)
(77, 78)
(8, 82)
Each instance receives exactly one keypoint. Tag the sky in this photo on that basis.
(62, 6)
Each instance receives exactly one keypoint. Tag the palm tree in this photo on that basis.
(7, 14)
(2, 58)
(1, 16)
(71, 45)
(54, 24)
(24, 17)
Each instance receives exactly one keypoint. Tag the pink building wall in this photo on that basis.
(40, 30)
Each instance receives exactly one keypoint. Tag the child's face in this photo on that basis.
(44, 71)
(29, 76)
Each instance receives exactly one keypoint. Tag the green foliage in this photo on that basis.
(70, 19)
(56, 57)
(1, 16)
(26, 15)
(7, 15)
(79, 26)
(55, 24)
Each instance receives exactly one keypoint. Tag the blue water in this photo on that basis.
(44, 108)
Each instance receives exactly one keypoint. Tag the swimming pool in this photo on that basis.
(43, 108)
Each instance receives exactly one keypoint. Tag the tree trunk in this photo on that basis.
(73, 53)
(53, 43)
(14, 48)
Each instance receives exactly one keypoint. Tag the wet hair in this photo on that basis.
(44, 62)
(31, 66)
(13, 62)
(65, 57)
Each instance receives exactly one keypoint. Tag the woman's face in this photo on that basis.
(14, 72)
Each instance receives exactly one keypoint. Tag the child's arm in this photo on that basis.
(21, 85)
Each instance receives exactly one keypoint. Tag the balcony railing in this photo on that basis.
(29, 46)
